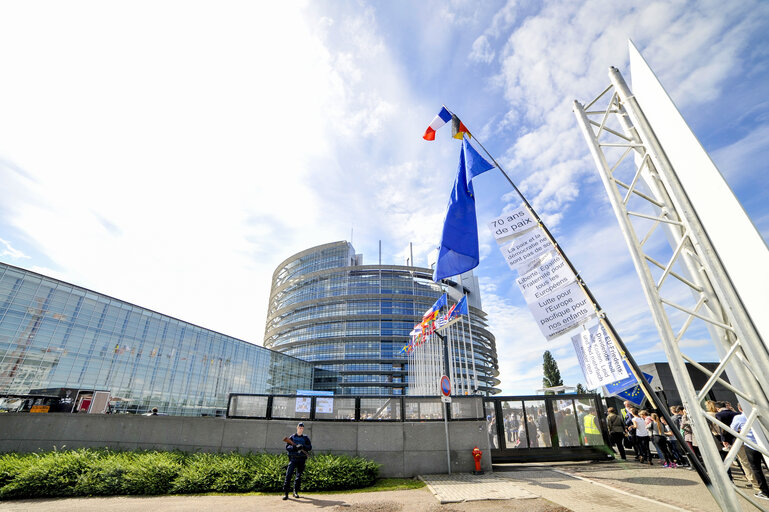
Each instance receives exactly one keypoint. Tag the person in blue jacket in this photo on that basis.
(297, 457)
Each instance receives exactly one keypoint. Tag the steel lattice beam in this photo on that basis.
(683, 279)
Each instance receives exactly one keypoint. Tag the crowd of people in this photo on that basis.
(637, 429)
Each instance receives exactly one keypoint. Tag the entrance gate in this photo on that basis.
(547, 428)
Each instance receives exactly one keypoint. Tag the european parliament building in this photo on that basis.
(352, 319)
(54, 335)
(333, 324)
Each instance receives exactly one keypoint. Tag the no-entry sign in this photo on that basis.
(445, 386)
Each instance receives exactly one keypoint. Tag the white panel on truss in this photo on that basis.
(738, 243)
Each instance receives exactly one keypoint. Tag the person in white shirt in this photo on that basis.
(642, 434)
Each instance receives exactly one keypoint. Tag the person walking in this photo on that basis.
(657, 430)
(298, 447)
(753, 456)
(616, 431)
(688, 432)
(630, 430)
(726, 415)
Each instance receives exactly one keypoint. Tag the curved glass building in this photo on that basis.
(327, 308)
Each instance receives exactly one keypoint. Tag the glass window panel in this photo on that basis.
(291, 407)
(376, 409)
(466, 408)
(418, 409)
(491, 424)
(566, 423)
(537, 424)
(589, 425)
(514, 427)
(249, 406)
(332, 408)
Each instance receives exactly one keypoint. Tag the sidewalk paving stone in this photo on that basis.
(461, 487)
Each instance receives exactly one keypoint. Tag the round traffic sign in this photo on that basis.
(445, 386)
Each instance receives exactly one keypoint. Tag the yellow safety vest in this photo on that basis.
(590, 426)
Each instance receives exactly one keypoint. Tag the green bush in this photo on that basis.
(210, 472)
(104, 472)
(152, 472)
(327, 472)
(50, 474)
(269, 472)
(11, 464)
(105, 476)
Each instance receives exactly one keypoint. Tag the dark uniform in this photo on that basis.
(297, 457)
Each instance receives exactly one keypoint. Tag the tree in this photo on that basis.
(550, 369)
(583, 390)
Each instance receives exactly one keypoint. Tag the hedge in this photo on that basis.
(88, 472)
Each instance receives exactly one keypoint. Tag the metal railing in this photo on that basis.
(352, 408)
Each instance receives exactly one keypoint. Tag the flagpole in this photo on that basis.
(635, 369)
(464, 349)
(472, 344)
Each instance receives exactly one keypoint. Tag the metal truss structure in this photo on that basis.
(685, 283)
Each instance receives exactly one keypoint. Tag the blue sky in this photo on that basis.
(173, 154)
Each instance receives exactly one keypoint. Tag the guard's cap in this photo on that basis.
(300, 424)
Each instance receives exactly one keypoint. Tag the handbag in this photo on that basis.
(627, 442)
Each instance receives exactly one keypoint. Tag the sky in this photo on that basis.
(172, 154)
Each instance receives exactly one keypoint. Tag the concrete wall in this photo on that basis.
(403, 449)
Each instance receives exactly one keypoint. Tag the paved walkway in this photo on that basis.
(461, 487)
(604, 486)
(415, 500)
(583, 487)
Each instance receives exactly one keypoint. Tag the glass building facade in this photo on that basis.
(351, 319)
(57, 335)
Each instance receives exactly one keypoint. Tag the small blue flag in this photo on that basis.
(458, 251)
(475, 163)
(615, 388)
(461, 307)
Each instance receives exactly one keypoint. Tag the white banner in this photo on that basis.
(598, 356)
(558, 312)
(324, 405)
(526, 250)
(514, 223)
(551, 275)
(302, 404)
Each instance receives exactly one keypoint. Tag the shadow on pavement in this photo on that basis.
(319, 503)
(665, 481)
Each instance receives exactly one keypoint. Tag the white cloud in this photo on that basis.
(7, 250)
(562, 53)
(174, 160)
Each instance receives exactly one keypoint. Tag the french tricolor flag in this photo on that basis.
(443, 117)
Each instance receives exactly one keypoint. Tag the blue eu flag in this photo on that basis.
(458, 251)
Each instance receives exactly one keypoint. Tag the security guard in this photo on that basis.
(592, 432)
(298, 449)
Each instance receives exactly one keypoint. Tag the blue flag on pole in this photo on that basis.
(442, 301)
(461, 308)
(475, 163)
(615, 388)
(458, 251)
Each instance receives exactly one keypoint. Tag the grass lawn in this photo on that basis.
(382, 484)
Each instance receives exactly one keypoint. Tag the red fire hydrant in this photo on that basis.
(477, 454)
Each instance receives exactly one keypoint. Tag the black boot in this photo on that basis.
(296, 494)
(285, 496)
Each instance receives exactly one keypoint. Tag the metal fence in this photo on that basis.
(542, 428)
(347, 408)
